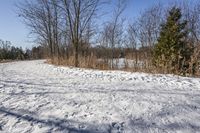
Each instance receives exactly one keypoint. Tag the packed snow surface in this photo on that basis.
(38, 97)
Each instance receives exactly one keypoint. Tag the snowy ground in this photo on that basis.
(37, 97)
(123, 63)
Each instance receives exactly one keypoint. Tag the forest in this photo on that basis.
(9, 52)
(162, 39)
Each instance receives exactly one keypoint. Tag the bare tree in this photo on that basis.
(133, 41)
(78, 14)
(41, 17)
(149, 24)
(113, 31)
(191, 14)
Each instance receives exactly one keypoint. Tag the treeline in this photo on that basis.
(171, 36)
(71, 32)
(9, 52)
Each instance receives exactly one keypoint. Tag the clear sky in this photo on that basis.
(11, 26)
(13, 29)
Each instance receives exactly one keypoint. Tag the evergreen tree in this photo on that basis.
(171, 52)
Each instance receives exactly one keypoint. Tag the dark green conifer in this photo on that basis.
(171, 53)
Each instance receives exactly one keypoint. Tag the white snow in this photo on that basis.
(38, 97)
(120, 63)
(127, 63)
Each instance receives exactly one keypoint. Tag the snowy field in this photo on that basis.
(40, 98)
(121, 63)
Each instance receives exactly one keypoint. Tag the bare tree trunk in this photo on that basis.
(76, 51)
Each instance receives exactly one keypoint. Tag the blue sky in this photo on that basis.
(13, 29)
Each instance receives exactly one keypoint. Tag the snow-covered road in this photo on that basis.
(38, 97)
